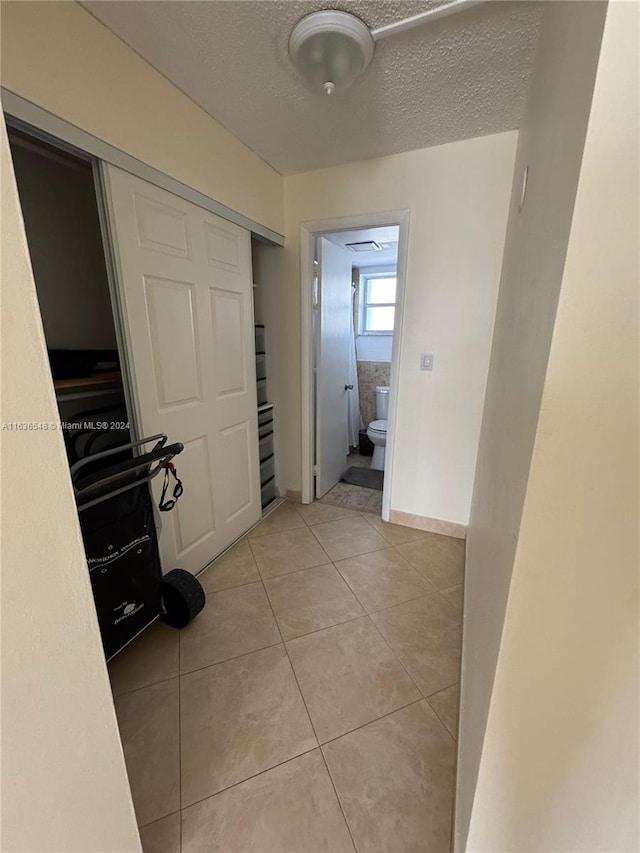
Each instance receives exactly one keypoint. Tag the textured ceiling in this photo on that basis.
(387, 237)
(456, 78)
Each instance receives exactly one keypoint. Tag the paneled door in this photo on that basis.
(185, 283)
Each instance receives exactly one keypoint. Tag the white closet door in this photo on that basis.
(185, 278)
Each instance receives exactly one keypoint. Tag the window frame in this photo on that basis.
(366, 275)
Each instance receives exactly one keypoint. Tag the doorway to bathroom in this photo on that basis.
(353, 286)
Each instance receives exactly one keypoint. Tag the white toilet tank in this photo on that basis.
(382, 402)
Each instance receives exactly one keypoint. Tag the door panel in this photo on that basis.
(185, 277)
(332, 364)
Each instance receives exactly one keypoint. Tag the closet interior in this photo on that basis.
(59, 205)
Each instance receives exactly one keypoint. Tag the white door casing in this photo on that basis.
(185, 285)
(332, 364)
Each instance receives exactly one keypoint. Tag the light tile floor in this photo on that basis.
(312, 705)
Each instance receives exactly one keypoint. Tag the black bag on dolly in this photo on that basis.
(124, 565)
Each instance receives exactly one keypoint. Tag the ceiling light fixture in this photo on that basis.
(330, 48)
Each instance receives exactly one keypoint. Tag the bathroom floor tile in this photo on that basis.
(318, 512)
(425, 634)
(233, 622)
(344, 494)
(151, 657)
(148, 720)
(237, 719)
(439, 558)
(284, 517)
(163, 836)
(312, 599)
(382, 578)
(395, 534)
(395, 781)
(455, 596)
(445, 704)
(374, 504)
(289, 809)
(354, 458)
(236, 567)
(347, 537)
(348, 677)
(289, 551)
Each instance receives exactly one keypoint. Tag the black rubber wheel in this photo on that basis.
(182, 598)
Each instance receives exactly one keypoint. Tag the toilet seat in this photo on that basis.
(378, 426)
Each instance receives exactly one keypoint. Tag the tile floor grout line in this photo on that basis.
(413, 681)
(290, 639)
(226, 588)
(371, 722)
(313, 728)
(379, 609)
(158, 819)
(335, 790)
(299, 571)
(446, 727)
(248, 779)
(235, 657)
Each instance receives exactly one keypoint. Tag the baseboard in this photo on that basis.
(431, 525)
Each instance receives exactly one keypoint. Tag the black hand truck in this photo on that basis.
(116, 514)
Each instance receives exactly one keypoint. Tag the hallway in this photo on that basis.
(312, 705)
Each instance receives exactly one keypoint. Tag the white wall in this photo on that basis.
(560, 766)
(64, 783)
(550, 143)
(58, 56)
(58, 203)
(458, 195)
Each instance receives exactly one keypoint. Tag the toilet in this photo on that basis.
(377, 430)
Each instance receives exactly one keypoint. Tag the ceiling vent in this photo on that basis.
(364, 246)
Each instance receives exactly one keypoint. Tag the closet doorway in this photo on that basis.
(352, 325)
(147, 308)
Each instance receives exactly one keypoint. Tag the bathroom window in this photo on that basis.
(377, 302)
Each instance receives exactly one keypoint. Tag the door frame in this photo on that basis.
(308, 233)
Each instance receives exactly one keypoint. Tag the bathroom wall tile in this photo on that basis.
(370, 374)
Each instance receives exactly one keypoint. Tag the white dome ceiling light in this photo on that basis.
(330, 48)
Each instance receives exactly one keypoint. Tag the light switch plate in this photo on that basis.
(426, 361)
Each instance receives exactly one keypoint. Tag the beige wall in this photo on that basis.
(559, 767)
(458, 195)
(550, 143)
(58, 56)
(64, 784)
